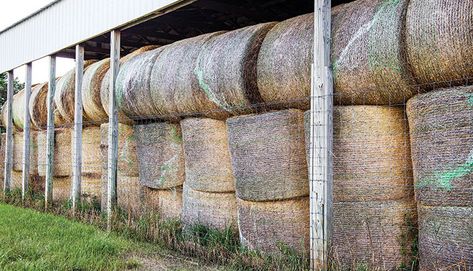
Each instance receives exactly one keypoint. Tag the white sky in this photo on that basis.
(13, 11)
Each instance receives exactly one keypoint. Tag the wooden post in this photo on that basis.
(26, 134)
(321, 138)
(48, 193)
(112, 127)
(77, 149)
(9, 136)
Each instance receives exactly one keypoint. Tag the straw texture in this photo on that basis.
(445, 238)
(226, 68)
(91, 186)
(62, 153)
(174, 88)
(284, 63)
(18, 142)
(265, 226)
(167, 203)
(18, 111)
(129, 193)
(268, 156)
(441, 128)
(91, 85)
(39, 110)
(61, 189)
(213, 210)
(91, 155)
(373, 233)
(207, 159)
(368, 53)
(160, 155)
(439, 42)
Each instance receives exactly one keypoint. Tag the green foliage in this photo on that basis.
(17, 86)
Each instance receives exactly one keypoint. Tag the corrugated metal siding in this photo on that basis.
(67, 23)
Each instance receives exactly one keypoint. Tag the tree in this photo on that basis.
(17, 86)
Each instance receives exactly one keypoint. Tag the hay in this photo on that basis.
(265, 226)
(439, 42)
(445, 238)
(129, 193)
(62, 163)
(91, 155)
(18, 142)
(371, 153)
(268, 157)
(368, 53)
(207, 159)
(91, 187)
(160, 155)
(226, 68)
(441, 126)
(64, 95)
(91, 85)
(213, 210)
(104, 87)
(174, 88)
(284, 63)
(167, 203)
(18, 111)
(127, 154)
(375, 234)
(39, 110)
(16, 181)
(61, 189)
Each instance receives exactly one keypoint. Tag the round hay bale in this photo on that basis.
(129, 193)
(61, 189)
(91, 85)
(167, 203)
(445, 238)
(284, 63)
(91, 187)
(207, 159)
(213, 210)
(439, 42)
(39, 110)
(104, 87)
(371, 153)
(441, 126)
(375, 234)
(62, 164)
(226, 69)
(91, 155)
(127, 153)
(160, 155)
(265, 226)
(18, 111)
(18, 142)
(64, 95)
(368, 53)
(174, 88)
(268, 157)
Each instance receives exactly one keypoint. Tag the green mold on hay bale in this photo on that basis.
(160, 155)
(227, 70)
(441, 126)
(91, 85)
(439, 41)
(268, 157)
(207, 159)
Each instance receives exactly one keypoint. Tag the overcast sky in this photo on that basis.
(13, 11)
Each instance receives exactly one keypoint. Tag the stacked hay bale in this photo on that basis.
(91, 178)
(91, 85)
(226, 70)
(439, 42)
(209, 189)
(18, 141)
(161, 164)
(39, 110)
(373, 206)
(441, 128)
(269, 165)
(129, 190)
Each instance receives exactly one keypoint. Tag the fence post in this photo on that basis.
(9, 135)
(112, 127)
(48, 193)
(26, 134)
(321, 137)
(77, 145)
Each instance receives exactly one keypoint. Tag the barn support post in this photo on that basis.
(9, 135)
(77, 140)
(321, 140)
(48, 192)
(26, 134)
(112, 127)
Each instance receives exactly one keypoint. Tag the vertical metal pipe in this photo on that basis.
(26, 133)
(48, 193)
(9, 135)
(77, 140)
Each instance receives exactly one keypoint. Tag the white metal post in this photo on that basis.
(77, 149)
(26, 134)
(321, 138)
(48, 193)
(112, 127)
(9, 135)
